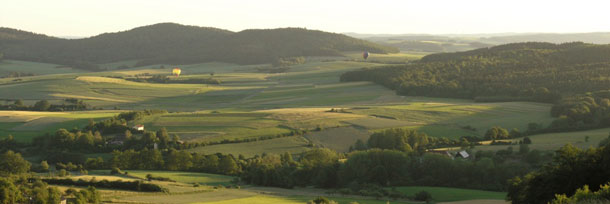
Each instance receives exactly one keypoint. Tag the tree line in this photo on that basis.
(69, 104)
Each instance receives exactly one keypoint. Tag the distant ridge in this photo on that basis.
(171, 43)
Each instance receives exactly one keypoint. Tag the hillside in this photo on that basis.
(171, 43)
(523, 71)
(573, 76)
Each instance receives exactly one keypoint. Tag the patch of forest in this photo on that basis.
(169, 43)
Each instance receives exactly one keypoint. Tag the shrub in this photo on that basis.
(423, 196)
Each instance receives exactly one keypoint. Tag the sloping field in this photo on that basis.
(292, 145)
(338, 139)
(554, 141)
(7, 66)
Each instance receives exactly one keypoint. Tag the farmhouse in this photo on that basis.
(138, 127)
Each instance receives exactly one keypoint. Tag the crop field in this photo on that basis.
(554, 141)
(443, 194)
(338, 139)
(292, 145)
(25, 125)
(7, 66)
(448, 119)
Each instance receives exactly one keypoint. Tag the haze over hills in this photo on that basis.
(463, 42)
(172, 43)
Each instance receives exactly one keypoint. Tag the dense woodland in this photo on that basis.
(573, 76)
(170, 43)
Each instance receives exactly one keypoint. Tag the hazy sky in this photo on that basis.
(88, 17)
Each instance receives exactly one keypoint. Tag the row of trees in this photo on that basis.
(326, 169)
(175, 160)
(70, 104)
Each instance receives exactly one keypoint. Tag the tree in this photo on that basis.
(13, 163)
(44, 166)
(163, 138)
(228, 166)
(42, 105)
(359, 146)
(527, 140)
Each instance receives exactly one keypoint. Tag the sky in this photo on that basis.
(92, 17)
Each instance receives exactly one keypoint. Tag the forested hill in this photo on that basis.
(523, 71)
(179, 44)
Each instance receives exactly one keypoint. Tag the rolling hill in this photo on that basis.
(170, 43)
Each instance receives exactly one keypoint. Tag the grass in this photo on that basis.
(185, 177)
(444, 194)
(293, 145)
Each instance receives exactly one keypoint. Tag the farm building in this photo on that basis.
(138, 127)
(462, 154)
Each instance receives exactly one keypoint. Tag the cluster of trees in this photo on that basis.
(16, 74)
(96, 136)
(410, 141)
(287, 61)
(17, 186)
(571, 169)
(179, 44)
(123, 185)
(521, 71)
(591, 110)
(585, 195)
(70, 104)
(327, 169)
(175, 160)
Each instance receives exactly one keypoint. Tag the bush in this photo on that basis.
(115, 170)
(423, 196)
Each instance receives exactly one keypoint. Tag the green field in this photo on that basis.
(185, 177)
(293, 145)
(554, 141)
(25, 125)
(443, 194)
(7, 66)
